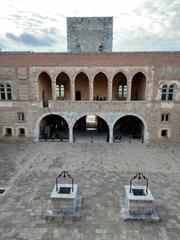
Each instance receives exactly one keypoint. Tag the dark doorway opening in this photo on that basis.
(128, 129)
(91, 128)
(78, 95)
(53, 128)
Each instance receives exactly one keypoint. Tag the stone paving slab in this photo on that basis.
(101, 171)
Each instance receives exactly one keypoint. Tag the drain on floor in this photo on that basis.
(3, 191)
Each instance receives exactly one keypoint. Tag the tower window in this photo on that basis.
(101, 48)
(78, 48)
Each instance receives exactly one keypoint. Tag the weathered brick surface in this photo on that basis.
(21, 70)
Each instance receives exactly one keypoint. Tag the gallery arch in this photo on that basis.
(91, 128)
(128, 128)
(81, 87)
(53, 127)
(100, 86)
(62, 87)
(119, 87)
(138, 88)
(44, 87)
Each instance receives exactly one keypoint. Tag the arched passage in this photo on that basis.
(91, 128)
(63, 87)
(53, 127)
(119, 88)
(138, 89)
(44, 87)
(100, 87)
(81, 87)
(128, 128)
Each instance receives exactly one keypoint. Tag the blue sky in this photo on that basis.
(139, 25)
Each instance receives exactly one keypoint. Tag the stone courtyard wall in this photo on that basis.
(22, 71)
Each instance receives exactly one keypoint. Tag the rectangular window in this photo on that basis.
(57, 91)
(164, 133)
(163, 97)
(20, 116)
(164, 93)
(122, 92)
(2, 92)
(170, 96)
(62, 91)
(165, 117)
(21, 132)
(8, 132)
(125, 92)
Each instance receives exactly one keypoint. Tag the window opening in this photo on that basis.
(2, 92)
(167, 93)
(164, 92)
(165, 117)
(8, 132)
(122, 92)
(78, 48)
(60, 91)
(8, 92)
(5, 92)
(164, 133)
(21, 117)
(170, 92)
(101, 48)
(21, 132)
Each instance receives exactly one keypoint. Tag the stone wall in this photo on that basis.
(19, 71)
(89, 34)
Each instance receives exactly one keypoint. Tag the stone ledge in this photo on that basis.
(126, 215)
(59, 215)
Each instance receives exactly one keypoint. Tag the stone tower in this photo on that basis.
(89, 34)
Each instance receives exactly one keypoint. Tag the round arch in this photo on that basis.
(90, 128)
(130, 126)
(57, 127)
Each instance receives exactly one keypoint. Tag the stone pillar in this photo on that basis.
(111, 135)
(91, 92)
(71, 134)
(129, 82)
(73, 90)
(109, 91)
(54, 90)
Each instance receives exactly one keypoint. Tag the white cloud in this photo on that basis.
(138, 24)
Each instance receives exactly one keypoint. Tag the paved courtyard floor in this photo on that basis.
(101, 170)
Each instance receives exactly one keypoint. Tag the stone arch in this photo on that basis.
(96, 128)
(81, 86)
(63, 87)
(44, 83)
(100, 86)
(138, 87)
(119, 86)
(143, 132)
(39, 121)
